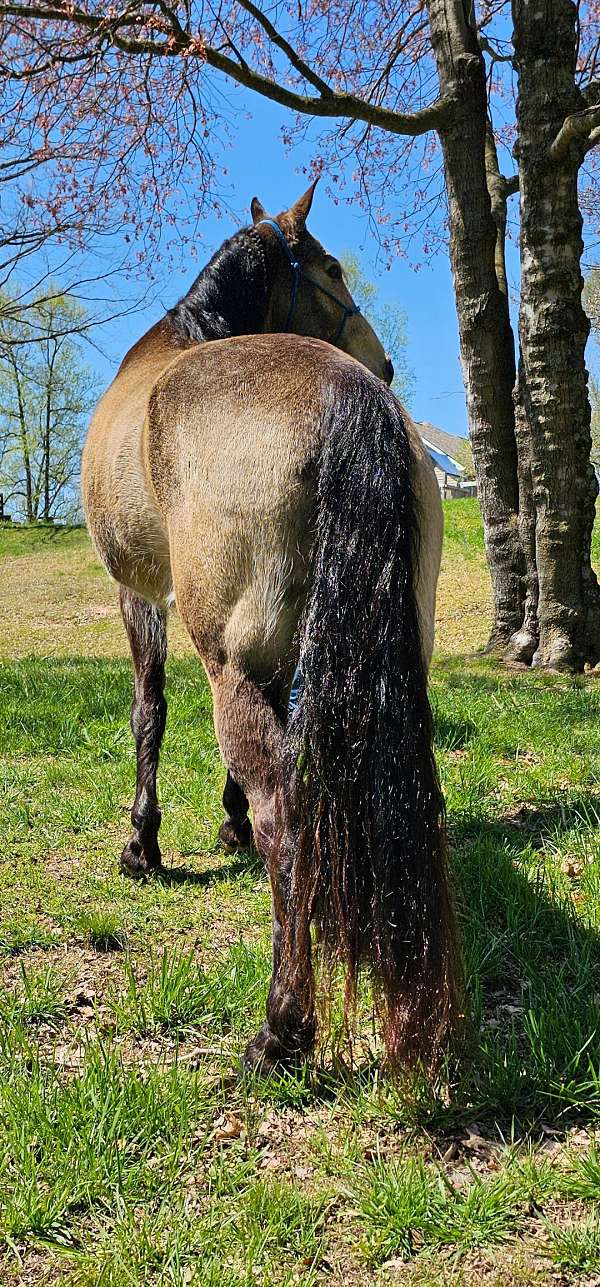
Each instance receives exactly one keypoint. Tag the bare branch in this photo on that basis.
(329, 103)
(283, 44)
(496, 57)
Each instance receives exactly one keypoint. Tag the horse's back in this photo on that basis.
(230, 417)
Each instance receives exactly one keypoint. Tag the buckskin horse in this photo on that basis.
(269, 483)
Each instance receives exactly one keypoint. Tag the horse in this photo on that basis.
(250, 464)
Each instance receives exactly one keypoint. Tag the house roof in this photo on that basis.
(440, 446)
(445, 463)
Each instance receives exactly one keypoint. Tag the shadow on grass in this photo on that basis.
(533, 964)
(533, 968)
(484, 674)
(452, 734)
(247, 863)
(533, 824)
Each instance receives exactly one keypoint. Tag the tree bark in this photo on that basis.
(523, 644)
(486, 337)
(496, 185)
(553, 331)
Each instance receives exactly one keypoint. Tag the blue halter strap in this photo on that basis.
(297, 273)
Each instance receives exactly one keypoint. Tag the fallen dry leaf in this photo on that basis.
(572, 868)
(269, 1162)
(229, 1127)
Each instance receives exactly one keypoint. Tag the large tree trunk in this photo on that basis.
(553, 332)
(486, 338)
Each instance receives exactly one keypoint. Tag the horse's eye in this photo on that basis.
(335, 271)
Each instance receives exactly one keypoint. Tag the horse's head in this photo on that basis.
(309, 295)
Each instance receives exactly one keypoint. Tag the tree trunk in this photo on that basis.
(24, 443)
(486, 338)
(48, 434)
(496, 185)
(553, 332)
(524, 643)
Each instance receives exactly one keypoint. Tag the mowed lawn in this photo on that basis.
(130, 1151)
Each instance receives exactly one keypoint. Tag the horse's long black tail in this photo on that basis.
(370, 865)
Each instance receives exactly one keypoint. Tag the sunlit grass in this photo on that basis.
(131, 1151)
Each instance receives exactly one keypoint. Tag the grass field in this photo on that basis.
(130, 1152)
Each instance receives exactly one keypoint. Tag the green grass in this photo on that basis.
(101, 929)
(130, 1150)
(463, 533)
(40, 538)
(576, 1248)
(408, 1208)
(37, 999)
(179, 997)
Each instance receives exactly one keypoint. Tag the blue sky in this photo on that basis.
(258, 164)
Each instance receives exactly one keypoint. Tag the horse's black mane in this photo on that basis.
(230, 296)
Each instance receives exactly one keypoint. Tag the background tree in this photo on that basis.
(554, 135)
(389, 321)
(46, 393)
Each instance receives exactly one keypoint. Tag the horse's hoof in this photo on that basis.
(266, 1054)
(137, 864)
(235, 835)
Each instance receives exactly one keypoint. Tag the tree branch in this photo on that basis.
(591, 93)
(581, 125)
(283, 44)
(496, 184)
(487, 48)
(328, 104)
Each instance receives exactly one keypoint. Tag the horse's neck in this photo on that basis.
(230, 297)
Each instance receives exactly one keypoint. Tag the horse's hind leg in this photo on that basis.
(236, 831)
(250, 731)
(147, 634)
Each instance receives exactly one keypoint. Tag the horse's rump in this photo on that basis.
(231, 440)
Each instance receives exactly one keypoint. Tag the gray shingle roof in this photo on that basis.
(446, 442)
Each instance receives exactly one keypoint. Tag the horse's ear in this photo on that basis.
(300, 211)
(257, 210)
